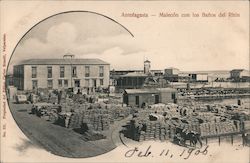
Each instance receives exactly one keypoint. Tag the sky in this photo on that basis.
(187, 44)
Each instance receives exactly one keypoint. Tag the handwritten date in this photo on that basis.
(185, 154)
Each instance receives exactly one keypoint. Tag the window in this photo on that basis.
(101, 71)
(49, 72)
(34, 72)
(137, 100)
(34, 84)
(59, 83)
(87, 71)
(101, 82)
(86, 82)
(50, 84)
(74, 71)
(173, 96)
(94, 82)
(61, 71)
(65, 83)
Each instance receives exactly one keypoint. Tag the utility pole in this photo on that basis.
(68, 55)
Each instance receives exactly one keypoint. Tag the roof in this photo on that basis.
(87, 61)
(170, 68)
(194, 72)
(148, 90)
(166, 89)
(237, 70)
(141, 91)
(134, 74)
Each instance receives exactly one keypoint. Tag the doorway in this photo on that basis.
(94, 83)
(156, 99)
(77, 83)
(137, 102)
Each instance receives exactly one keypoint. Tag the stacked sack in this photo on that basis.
(75, 120)
(98, 119)
(226, 127)
(214, 129)
(206, 117)
(118, 111)
(170, 110)
(204, 128)
(53, 117)
(152, 130)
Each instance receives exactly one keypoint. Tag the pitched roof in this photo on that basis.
(134, 74)
(89, 61)
(237, 70)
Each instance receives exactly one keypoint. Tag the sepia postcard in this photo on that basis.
(124, 81)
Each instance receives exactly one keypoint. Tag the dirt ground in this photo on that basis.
(60, 140)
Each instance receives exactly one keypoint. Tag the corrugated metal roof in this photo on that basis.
(89, 61)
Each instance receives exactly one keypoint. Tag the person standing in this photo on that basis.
(244, 139)
(49, 96)
(59, 97)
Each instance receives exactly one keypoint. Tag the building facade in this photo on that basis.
(131, 81)
(171, 71)
(61, 73)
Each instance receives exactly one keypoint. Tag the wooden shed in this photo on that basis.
(137, 97)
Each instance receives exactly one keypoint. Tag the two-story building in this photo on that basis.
(61, 73)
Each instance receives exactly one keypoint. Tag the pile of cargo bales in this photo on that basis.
(168, 110)
(97, 119)
(118, 111)
(206, 116)
(92, 119)
(113, 100)
(154, 131)
(220, 128)
(44, 110)
(79, 98)
(53, 117)
(148, 127)
(75, 120)
(62, 118)
(43, 94)
(191, 124)
(69, 105)
(98, 122)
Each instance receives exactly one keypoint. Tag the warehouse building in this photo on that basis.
(193, 77)
(240, 75)
(171, 71)
(138, 97)
(61, 73)
(131, 80)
